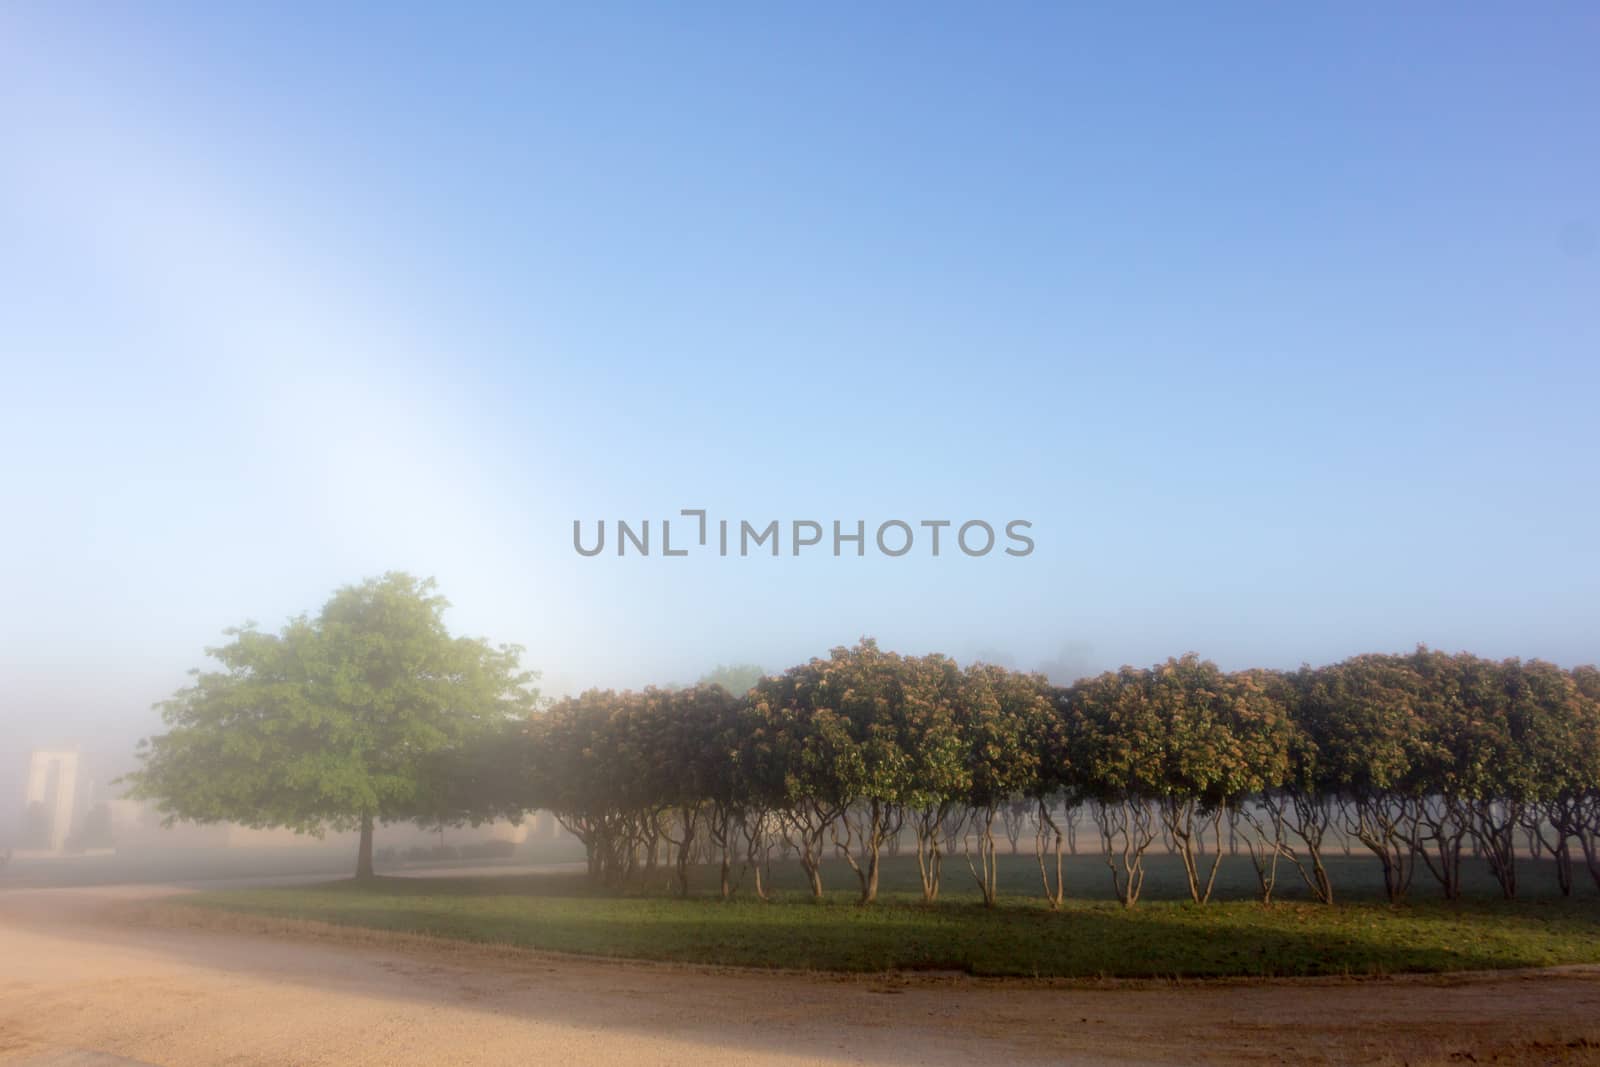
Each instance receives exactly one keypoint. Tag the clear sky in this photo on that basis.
(1282, 329)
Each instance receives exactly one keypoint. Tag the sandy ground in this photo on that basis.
(83, 983)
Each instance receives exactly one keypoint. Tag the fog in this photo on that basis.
(254, 352)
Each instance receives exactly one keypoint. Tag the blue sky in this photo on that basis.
(1280, 326)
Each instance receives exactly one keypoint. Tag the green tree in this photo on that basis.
(694, 768)
(939, 779)
(1226, 740)
(1362, 717)
(1302, 804)
(998, 713)
(332, 722)
(595, 767)
(848, 723)
(1054, 781)
(1562, 744)
(1579, 810)
(1116, 746)
(1460, 707)
(785, 759)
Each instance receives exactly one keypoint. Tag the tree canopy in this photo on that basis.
(1413, 756)
(337, 721)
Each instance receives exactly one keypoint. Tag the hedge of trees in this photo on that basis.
(1426, 759)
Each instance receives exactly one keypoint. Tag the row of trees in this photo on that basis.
(1423, 758)
(371, 712)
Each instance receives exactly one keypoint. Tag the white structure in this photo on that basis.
(53, 784)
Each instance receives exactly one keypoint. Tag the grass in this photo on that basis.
(1162, 938)
(168, 863)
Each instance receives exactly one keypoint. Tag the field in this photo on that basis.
(1090, 937)
(201, 864)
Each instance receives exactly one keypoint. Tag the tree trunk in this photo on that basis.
(813, 877)
(1309, 815)
(1264, 841)
(803, 829)
(928, 824)
(986, 873)
(757, 848)
(1494, 823)
(1054, 892)
(867, 834)
(1179, 817)
(364, 851)
(869, 892)
(1591, 854)
(1127, 822)
(1386, 824)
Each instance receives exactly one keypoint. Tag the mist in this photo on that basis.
(254, 353)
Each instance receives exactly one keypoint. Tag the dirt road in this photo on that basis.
(81, 984)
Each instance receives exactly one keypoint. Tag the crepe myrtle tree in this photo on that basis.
(933, 735)
(1223, 741)
(1562, 745)
(1561, 724)
(1301, 806)
(742, 794)
(595, 767)
(693, 766)
(565, 774)
(1116, 742)
(998, 712)
(1363, 716)
(1054, 781)
(1213, 739)
(333, 722)
(627, 773)
(1459, 767)
(1577, 804)
(786, 762)
(848, 713)
(1255, 737)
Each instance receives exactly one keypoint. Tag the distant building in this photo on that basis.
(52, 797)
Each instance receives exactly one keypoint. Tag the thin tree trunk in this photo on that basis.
(1587, 838)
(1265, 848)
(1447, 829)
(1130, 824)
(757, 848)
(986, 873)
(875, 824)
(814, 878)
(1387, 826)
(803, 829)
(928, 825)
(364, 851)
(1494, 823)
(1054, 892)
(1178, 815)
(1308, 816)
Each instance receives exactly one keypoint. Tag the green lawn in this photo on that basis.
(1089, 937)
